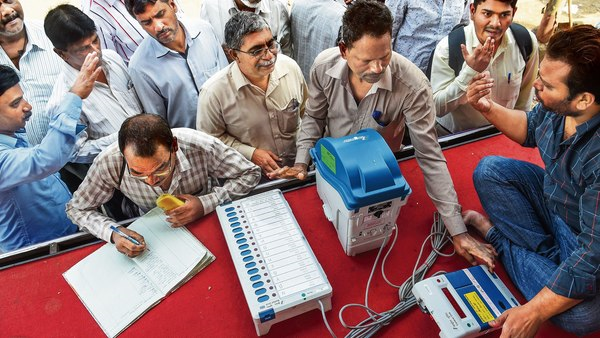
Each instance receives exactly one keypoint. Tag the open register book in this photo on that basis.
(117, 290)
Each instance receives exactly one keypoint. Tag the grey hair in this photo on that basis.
(240, 25)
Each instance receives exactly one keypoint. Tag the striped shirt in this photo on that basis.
(104, 110)
(315, 26)
(39, 67)
(116, 28)
(218, 12)
(420, 25)
(201, 161)
(572, 191)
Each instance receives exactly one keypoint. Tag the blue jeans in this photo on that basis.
(530, 239)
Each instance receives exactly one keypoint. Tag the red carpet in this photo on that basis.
(37, 302)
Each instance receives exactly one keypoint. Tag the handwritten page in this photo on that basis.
(117, 290)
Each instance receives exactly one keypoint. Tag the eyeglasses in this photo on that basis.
(274, 47)
(158, 173)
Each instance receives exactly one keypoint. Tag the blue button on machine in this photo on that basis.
(263, 299)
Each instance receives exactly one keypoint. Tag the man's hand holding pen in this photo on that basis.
(126, 244)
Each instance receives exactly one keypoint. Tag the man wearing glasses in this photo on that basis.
(149, 160)
(255, 104)
(170, 66)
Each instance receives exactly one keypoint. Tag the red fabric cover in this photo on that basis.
(36, 301)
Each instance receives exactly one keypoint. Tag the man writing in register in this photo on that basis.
(364, 84)
(151, 159)
(544, 222)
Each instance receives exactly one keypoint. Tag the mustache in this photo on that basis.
(266, 63)
(10, 18)
(493, 29)
(164, 30)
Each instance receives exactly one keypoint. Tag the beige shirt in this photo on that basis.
(403, 96)
(450, 92)
(245, 117)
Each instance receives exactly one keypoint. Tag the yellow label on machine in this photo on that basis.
(477, 304)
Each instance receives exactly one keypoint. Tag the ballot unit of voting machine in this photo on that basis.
(361, 186)
(277, 269)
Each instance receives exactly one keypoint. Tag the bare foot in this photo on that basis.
(481, 223)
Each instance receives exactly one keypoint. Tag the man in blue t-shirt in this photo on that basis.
(32, 196)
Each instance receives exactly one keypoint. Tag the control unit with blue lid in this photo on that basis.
(361, 186)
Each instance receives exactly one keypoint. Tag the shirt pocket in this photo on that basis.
(129, 99)
(97, 124)
(209, 70)
(508, 92)
(288, 118)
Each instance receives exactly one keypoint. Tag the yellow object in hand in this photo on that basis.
(168, 202)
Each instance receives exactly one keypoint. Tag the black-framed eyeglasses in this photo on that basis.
(158, 173)
(274, 47)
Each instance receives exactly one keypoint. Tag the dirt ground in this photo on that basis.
(583, 11)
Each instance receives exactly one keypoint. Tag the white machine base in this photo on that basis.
(358, 230)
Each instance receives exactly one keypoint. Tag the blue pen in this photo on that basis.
(124, 235)
(377, 117)
(509, 74)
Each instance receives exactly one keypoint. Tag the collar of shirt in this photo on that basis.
(590, 125)
(18, 141)
(36, 39)
(240, 80)
(557, 124)
(340, 71)
(191, 30)
(262, 8)
(8, 141)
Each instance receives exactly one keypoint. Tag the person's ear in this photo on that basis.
(61, 53)
(585, 100)
(174, 146)
(232, 54)
(343, 49)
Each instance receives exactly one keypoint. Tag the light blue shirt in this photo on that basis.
(32, 195)
(167, 83)
(419, 25)
(315, 27)
(38, 68)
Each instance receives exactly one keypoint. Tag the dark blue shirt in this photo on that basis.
(572, 191)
